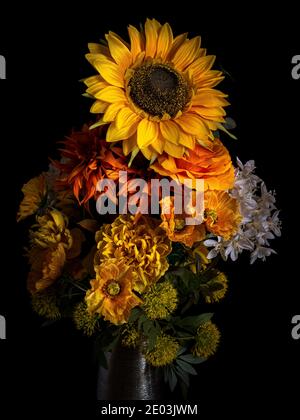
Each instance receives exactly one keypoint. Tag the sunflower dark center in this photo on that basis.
(158, 89)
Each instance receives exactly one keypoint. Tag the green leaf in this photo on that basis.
(186, 367)
(141, 320)
(183, 375)
(191, 323)
(172, 378)
(189, 358)
(181, 351)
(153, 334)
(135, 313)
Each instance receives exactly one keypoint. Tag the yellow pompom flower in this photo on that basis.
(85, 321)
(160, 300)
(35, 191)
(111, 294)
(141, 243)
(157, 93)
(164, 352)
(130, 336)
(207, 340)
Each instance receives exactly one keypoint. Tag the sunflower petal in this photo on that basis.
(202, 64)
(112, 111)
(174, 150)
(187, 53)
(110, 72)
(136, 41)
(98, 49)
(111, 94)
(98, 107)
(129, 144)
(187, 140)
(151, 38)
(192, 124)
(147, 132)
(178, 41)
(96, 87)
(170, 131)
(126, 117)
(209, 98)
(165, 41)
(123, 133)
(119, 51)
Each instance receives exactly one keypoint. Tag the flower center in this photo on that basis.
(179, 224)
(158, 90)
(112, 288)
(210, 216)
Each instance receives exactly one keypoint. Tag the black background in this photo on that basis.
(257, 365)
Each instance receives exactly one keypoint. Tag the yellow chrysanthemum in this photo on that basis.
(111, 294)
(215, 289)
(160, 301)
(164, 352)
(34, 191)
(207, 340)
(156, 93)
(141, 243)
(130, 336)
(222, 213)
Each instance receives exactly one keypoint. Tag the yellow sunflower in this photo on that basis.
(157, 93)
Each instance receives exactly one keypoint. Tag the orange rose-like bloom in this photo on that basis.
(111, 293)
(175, 224)
(213, 166)
(222, 214)
(87, 158)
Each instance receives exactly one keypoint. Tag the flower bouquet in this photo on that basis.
(126, 227)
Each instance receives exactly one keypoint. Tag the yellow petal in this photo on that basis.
(112, 111)
(215, 114)
(169, 131)
(90, 81)
(129, 144)
(209, 98)
(98, 107)
(116, 134)
(165, 41)
(178, 41)
(202, 64)
(187, 140)
(96, 87)
(192, 124)
(151, 38)
(209, 79)
(110, 72)
(119, 51)
(111, 94)
(158, 144)
(147, 132)
(126, 117)
(136, 41)
(174, 150)
(187, 53)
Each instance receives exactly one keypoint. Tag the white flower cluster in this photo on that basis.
(260, 221)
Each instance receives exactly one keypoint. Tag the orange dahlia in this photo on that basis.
(111, 294)
(222, 213)
(175, 224)
(157, 93)
(87, 158)
(213, 166)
